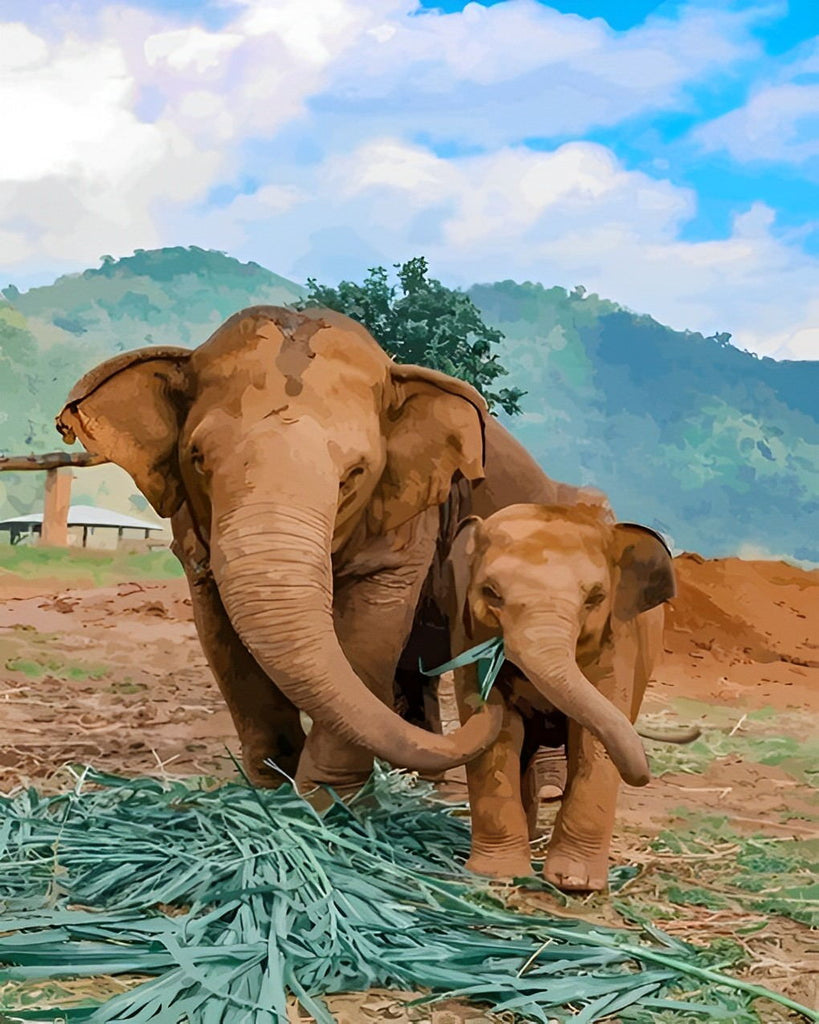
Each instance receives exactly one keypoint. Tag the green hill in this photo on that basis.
(171, 296)
(712, 445)
(50, 336)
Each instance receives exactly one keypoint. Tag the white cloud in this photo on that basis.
(269, 201)
(118, 123)
(541, 196)
(779, 123)
(85, 169)
(20, 47)
(571, 216)
(191, 49)
(312, 31)
(520, 69)
(527, 201)
(780, 120)
(802, 343)
(391, 164)
(70, 114)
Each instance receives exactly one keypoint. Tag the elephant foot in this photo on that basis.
(571, 870)
(278, 746)
(329, 761)
(321, 797)
(543, 780)
(545, 776)
(259, 774)
(501, 865)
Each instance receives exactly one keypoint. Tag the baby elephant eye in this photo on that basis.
(595, 597)
(198, 461)
(490, 595)
(347, 480)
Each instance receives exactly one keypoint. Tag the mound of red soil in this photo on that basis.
(762, 610)
(741, 632)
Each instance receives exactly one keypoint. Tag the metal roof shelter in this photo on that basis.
(86, 516)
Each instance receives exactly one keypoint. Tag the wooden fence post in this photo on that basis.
(54, 530)
(55, 508)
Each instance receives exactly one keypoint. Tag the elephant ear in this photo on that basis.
(130, 409)
(646, 572)
(458, 571)
(434, 428)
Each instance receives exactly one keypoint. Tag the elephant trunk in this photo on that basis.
(271, 563)
(545, 653)
(686, 734)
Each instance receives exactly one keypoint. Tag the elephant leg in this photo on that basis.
(500, 834)
(578, 852)
(373, 616)
(544, 779)
(577, 856)
(267, 723)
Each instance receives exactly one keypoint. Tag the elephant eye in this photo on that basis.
(595, 597)
(490, 595)
(349, 477)
(198, 460)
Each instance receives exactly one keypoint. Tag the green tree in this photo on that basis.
(419, 320)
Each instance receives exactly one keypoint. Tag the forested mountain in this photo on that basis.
(716, 447)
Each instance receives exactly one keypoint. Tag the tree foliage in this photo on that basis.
(421, 321)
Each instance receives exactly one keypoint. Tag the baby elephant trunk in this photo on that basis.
(546, 655)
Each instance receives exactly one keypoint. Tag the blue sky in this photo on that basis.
(665, 155)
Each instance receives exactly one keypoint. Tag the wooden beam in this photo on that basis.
(50, 460)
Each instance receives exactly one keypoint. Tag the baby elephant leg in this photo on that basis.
(500, 836)
(578, 853)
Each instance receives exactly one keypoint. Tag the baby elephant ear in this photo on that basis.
(466, 533)
(646, 572)
(457, 572)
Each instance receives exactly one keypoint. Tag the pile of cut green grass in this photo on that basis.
(229, 899)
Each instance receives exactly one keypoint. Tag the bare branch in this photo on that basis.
(50, 460)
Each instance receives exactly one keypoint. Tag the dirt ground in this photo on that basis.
(114, 677)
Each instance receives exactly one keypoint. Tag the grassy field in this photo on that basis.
(82, 567)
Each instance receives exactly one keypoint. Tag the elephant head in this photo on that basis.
(558, 583)
(290, 435)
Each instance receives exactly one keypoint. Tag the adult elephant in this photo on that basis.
(303, 472)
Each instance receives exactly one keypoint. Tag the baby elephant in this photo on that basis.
(577, 601)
